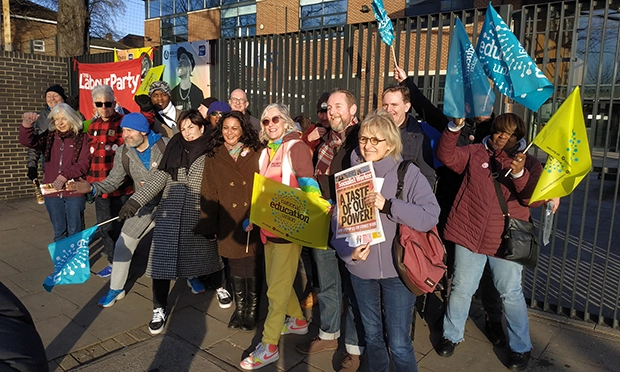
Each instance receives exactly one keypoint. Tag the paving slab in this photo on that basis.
(599, 352)
(60, 335)
(46, 306)
(198, 329)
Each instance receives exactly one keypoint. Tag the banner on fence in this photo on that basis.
(145, 53)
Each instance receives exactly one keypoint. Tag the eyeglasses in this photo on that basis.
(216, 113)
(238, 100)
(106, 104)
(373, 140)
(275, 120)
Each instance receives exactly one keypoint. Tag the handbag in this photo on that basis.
(519, 240)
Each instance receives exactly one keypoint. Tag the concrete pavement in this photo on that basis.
(79, 335)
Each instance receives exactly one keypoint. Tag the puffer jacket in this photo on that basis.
(476, 221)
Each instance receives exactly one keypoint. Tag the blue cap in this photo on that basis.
(136, 121)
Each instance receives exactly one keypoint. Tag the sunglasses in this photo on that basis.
(106, 104)
(275, 120)
(373, 140)
(216, 113)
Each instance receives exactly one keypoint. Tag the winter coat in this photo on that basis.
(136, 225)
(417, 147)
(41, 125)
(419, 210)
(62, 159)
(476, 220)
(176, 251)
(226, 197)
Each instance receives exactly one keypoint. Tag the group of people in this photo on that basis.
(184, 179)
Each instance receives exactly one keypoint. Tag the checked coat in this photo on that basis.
(176, 251)
(136, 225)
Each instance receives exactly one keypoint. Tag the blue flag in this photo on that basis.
(70, 258)
(507, 63)
(386, 30)
(468, 91)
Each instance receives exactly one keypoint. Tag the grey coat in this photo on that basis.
(176, 250)
(136, 225)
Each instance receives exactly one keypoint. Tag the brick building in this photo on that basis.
(169, 22)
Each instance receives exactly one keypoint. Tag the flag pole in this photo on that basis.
(525, 152)
(108, 221)
(394, 55)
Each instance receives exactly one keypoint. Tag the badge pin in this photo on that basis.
(111, 132)
(114, 147)
(485, 165)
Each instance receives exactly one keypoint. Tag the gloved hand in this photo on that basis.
(144, 102)
(128, 210)
(32, 173)
(59, 182)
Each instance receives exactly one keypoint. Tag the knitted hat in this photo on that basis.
(207, 102)
(136, 121)
(220, 106)
(321, 104)
(57, 89)
(159, 85)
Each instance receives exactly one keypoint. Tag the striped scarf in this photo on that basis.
(235, 150)
(329, 149)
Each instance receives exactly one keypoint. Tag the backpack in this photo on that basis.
(419, 256)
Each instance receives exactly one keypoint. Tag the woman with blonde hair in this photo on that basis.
(385, 303)
(65, 150)
(286, 159)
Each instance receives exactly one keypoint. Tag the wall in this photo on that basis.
(23, 80)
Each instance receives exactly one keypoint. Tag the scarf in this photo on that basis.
(182, 154)
(169, 115)
(235, 150)
(77, 143)
(330, 148)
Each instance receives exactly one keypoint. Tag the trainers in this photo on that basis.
(294, 326)
(261, 356)
(224, 298)
(156, 326)
(317, 345)
(196, 285)
(106, 272)
(111, 297)
(350, 364)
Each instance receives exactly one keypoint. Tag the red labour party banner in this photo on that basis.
(123, 77)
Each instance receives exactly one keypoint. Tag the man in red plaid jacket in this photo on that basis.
(106, 136)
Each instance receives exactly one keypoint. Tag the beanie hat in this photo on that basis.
(207, 102)
(321, 104)
(57, 89)
(136, 121)
(220, 106)
(159, 85)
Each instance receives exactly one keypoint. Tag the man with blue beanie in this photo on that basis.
(136, 159)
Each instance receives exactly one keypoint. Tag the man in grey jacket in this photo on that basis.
(137, 158)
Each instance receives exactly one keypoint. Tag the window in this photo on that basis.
(322, 13)
(238, 20)
(424, 7)
(174, 29)
(153, 8)
(38, 45)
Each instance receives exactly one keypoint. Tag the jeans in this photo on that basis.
(66, 215)
(123, 254)
(386, 301)
(468, 267)
(107, 209)
(332, 277)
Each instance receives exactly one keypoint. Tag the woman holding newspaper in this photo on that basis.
(374, 277)
(286, 159)
(65, 149)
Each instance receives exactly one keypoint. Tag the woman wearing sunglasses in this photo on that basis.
(177, 251)
(215, 112)
(286, 159)
(374, 278)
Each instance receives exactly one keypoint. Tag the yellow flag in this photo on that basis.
(565, 139)
(290, 213)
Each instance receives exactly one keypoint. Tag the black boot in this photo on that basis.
(251, 310)
(239, 291)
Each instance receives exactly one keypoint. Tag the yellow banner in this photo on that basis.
(129, 54)
(290, 213)
(154, 74)
(565, 139)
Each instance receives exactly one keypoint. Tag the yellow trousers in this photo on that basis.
(281, 262)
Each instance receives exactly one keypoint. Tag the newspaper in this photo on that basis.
(358, 223)
(48, 188)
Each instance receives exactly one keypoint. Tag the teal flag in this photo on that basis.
(70, 258)
(386, 30)
(468, 91)
(507, 63)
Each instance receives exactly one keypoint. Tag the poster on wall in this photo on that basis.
(187, 72)
(123, 77)
(128, 54)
